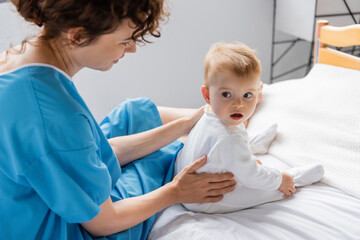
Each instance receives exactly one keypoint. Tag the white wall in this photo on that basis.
(13, 28)
(170, 71)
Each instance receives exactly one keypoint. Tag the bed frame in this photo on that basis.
(337, 37)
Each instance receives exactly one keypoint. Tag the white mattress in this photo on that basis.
(319, 122)
(314, 212)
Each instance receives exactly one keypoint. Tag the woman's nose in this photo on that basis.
(131, 48)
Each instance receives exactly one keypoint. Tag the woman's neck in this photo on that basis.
(58, 54)
(38, 50)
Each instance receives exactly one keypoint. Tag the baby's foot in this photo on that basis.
(306, 175)
(260, 143)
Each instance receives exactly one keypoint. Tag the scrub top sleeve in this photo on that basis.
(72, 183)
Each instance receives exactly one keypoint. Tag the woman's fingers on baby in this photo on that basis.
(199, 113)
(196, 165)
(220, 191)
(218, 177)
(223, 184)
(204, 187)
(212, 199)
(215, 185)
(194, 118)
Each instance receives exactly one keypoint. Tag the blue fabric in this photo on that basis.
(56, 165)
(148, 173)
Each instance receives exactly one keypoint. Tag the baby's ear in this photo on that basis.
(205, 93)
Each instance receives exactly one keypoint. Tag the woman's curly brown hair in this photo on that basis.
(96, 17)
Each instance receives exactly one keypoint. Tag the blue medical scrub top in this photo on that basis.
(56, 165)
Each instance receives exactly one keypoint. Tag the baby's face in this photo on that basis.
(233, 98)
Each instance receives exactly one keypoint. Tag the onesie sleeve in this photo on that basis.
(236, 156)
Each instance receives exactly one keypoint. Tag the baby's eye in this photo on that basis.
(248, 95)
(226, 94)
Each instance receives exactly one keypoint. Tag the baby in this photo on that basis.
(232, 82)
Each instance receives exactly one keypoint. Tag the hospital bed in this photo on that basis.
(319, 122)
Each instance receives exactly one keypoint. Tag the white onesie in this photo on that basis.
(227, 149)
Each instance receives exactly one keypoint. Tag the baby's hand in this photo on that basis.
(287, 185)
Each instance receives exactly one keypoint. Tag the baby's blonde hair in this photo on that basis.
(234, 56)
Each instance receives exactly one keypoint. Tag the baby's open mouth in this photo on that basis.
(236, 116)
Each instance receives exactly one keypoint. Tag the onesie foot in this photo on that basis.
(260, 143)
(306, 175)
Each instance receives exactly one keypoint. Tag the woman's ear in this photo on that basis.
(205, 93)
(75, 36)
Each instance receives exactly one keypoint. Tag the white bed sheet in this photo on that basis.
(314, 212)
(319, 122)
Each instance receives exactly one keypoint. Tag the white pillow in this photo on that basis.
(319, 122)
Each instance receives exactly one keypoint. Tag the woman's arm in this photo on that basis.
(131, 147)
(187, 187)
(168, 114)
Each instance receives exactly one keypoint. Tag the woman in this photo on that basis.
(60, 172)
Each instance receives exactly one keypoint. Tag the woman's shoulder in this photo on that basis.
(23, 74)
(35, 85)
(41, 96)
(17, 91)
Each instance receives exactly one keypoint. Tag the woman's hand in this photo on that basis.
(187, 187)
(191, 187)
(193, 119)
